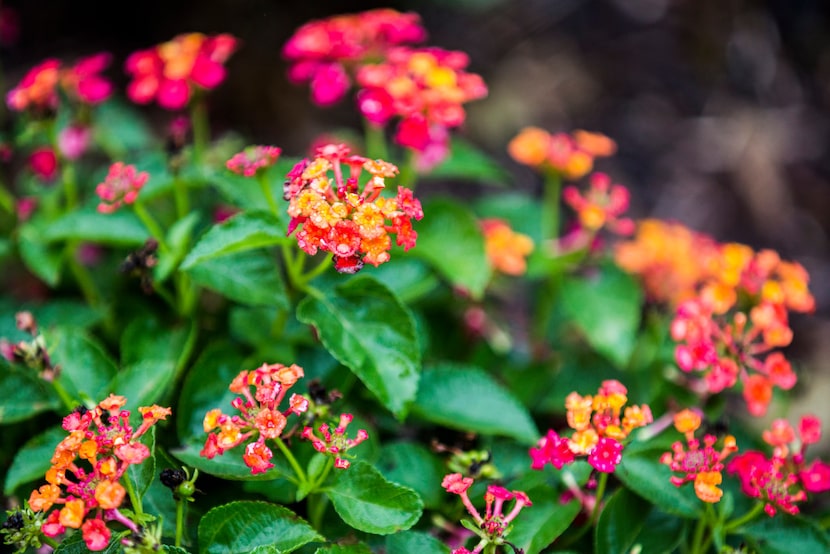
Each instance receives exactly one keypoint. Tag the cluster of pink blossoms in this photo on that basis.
(424, 87)
(172, 72)
(333, 215)
(87, 467)
(252, 159)
(38, 90)
(699, 462)
(598, 429)
(322, 52)
(601, 206)
(785, 478)
(261, 417)
(493, 527)
(121, 186)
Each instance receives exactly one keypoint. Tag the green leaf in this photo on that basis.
(605, 306)
(466, 162)
(42, 259)
(6, 247)
(142, 474)
(661, 534)
(539, 525)
(358, 548)
(368, 502)
(33, 460)
(86, 370)
(229, 465)
(158, 499)
(121, 228)
(414, 466)
(249, 277)
(367, 329)
(244, 526)
(409, 277)
(206, 388)
(784, 534)
(243, 231)
(642, 472)
(124, 128)
(145, 339)
(143, 383)
(621, 520)
(178, 242)
(23, 395)
(173, 549)
(414, 541)
(468, 399)
(450, 239)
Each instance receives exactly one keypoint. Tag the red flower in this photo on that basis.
(44, 163)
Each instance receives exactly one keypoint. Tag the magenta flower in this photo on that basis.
(121, 186)
(606, 455)
(252, 159)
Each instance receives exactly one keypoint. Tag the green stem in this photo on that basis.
(262, 179)
(70, 186)
(550, 205)
(292, 460)
(323, 474)
(318, 270)
(67, 400)
(180, 197)
(187, 350)
(135, 500)
(744, 519)
(7, 202)
(49, 540)
(82, 276)
(317, 509)
(375, 139)
(150, 223)
(201, 129)
(699, 545)
(602, 482)
(180, 504)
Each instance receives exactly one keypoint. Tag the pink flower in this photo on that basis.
(606, 455)
(809, 429)
(257, 456)
(816, 477)
(37, 89)
(252, 159)
(84, 82)
(96, 534)
(44, 163)
(73, 141)
(121, 186)
(551, 449)
(456, 483)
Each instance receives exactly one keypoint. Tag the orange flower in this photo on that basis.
(706, 486)
(109, 494)
(43, 498)
(530, 146)
(506, 249)
(72, 514)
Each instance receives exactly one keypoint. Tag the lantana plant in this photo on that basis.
(209, 346)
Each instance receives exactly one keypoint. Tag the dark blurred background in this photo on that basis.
(719, 107)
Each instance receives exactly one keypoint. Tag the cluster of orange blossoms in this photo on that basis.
(570, 156)
(731, 302)
(334, 216)
(506, 249)
(171, 72)
(598, 429)
(260, 414)
(38, 90)
(322, 51)
(602, 206)
(87, 467)
(700, 462)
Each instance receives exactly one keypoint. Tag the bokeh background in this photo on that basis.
(719, 107)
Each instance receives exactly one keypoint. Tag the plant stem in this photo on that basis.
(70, 186)
(601, 484)
(318, 270)
(67, 400)
(82, 276)
(292, 460)
(550, 205)
(317, 509)
(375, 140)
(323, 474)
(201, 129)
(7, 202)
(135, 500)
(698, 544)
(262, 179)
(744, 519)
(150, 223)
(49, 540)
(180, 196)
(180, 504)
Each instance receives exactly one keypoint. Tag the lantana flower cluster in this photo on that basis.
(785, 478)
(87, 467)
(172, 72)
(602, 206)
(83, 82)
(698, 461)
(732, 308)
(324, 52)
(600, 427)
(333, 215)
(571, 156)
(506, 249)
(252, 159)
(121, 186)
(494, 526)
(262, 391)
